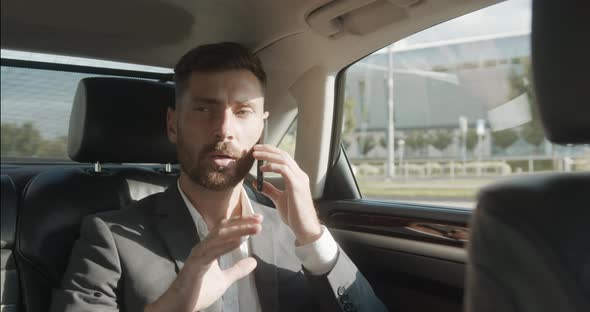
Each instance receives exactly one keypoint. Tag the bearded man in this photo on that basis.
(202, 245)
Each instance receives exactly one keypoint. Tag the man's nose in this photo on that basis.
(224, 128)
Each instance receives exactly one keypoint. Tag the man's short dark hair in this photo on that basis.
(216, 57)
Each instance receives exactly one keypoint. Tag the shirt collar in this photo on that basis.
(202, 229)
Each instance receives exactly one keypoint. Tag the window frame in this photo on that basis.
(338, 154)
(71, 68)
(162, 77)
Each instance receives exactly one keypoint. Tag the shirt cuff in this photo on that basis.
(319, 257)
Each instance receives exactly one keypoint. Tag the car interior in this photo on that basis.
(522, 248)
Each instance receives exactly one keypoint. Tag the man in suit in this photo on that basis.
(202, 245)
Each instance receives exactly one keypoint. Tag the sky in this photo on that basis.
(504, 17)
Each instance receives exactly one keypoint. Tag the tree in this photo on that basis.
(349, 124)
(368, 143)
(383, 142)
(20, 141)
(56, 148)
(8, 142)
(533, 133)
(349, 116)
(440, 139)
(26, 141)
(470, 140)
(504, 138)
(416, 140)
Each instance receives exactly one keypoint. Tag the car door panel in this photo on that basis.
(413, 255)
(408, 269)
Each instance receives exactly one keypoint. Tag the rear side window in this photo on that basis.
(36, 106)
(438, 115)
(288, 141)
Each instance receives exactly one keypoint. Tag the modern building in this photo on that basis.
(434, 85)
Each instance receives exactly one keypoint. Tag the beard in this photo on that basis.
(209, 175)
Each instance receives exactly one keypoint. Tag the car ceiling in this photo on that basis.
(146, 32)
(157, 33)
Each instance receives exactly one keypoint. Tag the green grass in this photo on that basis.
(431, 189)
(454, 193)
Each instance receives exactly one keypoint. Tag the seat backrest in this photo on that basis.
(54, 205)
(529, 249)
(9, 282)
(530, 243)
(113, 120)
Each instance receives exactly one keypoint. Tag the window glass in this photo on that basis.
(287, 143)
(434, 117)
(36, 106)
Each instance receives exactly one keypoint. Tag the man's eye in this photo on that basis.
(202, 109)
(244, 112)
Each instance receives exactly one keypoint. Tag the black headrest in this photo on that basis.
(120, 120)
(560, 50)
(528, 250)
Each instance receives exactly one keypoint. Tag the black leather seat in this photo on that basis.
(113, 120)
(530, 245)
(9, 284)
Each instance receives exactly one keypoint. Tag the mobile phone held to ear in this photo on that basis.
(259, 173)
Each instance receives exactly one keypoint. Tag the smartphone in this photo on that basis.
(259, 173)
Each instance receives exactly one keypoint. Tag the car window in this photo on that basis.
(36, 104)
(434, 117)
(287, 143)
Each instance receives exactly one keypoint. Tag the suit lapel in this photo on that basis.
(175, 225)
(178, 231)
(265, 274)
(179, 234)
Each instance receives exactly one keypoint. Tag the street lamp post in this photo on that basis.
(390, 119)
(463, 130)
(400, 145)
(481, 131)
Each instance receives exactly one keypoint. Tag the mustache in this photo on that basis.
(222, 147)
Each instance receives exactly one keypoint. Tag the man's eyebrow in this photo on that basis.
(206, 100)
(245, 103)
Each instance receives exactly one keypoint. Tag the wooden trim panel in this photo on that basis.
(414, 229)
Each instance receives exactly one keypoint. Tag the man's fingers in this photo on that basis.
(283, 170)
(228, 233)
(215, 251)
(237, 220)
(270, 191)
(240, 269)
(228, 239)
(279, 161)
(271, 149)
(231, 232)
(270, 157)
(229, 225)
(268, 148)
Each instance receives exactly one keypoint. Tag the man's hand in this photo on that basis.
(295, 203)
(201, 282)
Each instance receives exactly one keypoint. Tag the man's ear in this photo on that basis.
(171, 124)
(265, 115)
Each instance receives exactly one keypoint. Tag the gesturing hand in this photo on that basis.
(201, 281)
(295, 203)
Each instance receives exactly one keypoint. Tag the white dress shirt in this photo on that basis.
(317, 257)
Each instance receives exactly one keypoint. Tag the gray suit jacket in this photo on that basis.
(126, 259)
